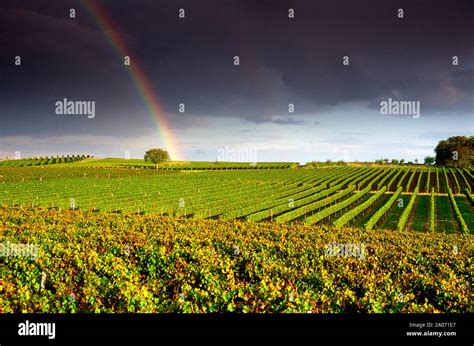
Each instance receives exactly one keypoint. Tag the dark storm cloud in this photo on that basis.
(300, 61)
(464, 80)
(191, 61)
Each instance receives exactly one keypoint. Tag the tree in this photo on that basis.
(430, 160)
(402, 161)
(395, 162)
(456, 151)
(416, 161)
(157, 155)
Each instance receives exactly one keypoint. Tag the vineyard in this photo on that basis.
(419, 199)
(104, 262)
(115, 238)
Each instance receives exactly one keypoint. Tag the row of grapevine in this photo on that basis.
(371, 178)
(291, 204)
(432, 211)
(457, 213)
(437, 181)
(402, 179)
(453, 173)
(446, 179)
(294, 214)
(385, 178)
(390, 183)
(406, 213)
(245, 206)
(336, 207)
(266, 209)
(419, 179)
(410, 180)
(164, 191)
(466, 182)
(360, 177)
(427, 187)
(344, 219)
(270, 201)
(381, 212)
(224, 168)
(347, 177)
(386, 172)
(468, 171)
(353, 179)
(41, 161)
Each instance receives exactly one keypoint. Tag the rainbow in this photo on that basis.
(139, 78)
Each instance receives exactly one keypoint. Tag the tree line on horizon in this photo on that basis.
(457, 151)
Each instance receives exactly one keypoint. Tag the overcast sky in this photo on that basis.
(282, 60)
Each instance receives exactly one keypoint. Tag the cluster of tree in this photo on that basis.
(35, 161)
(67, 158)
(392, 161)
(455, 151)
(429, 160)
(326, 163)
(60, 159)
